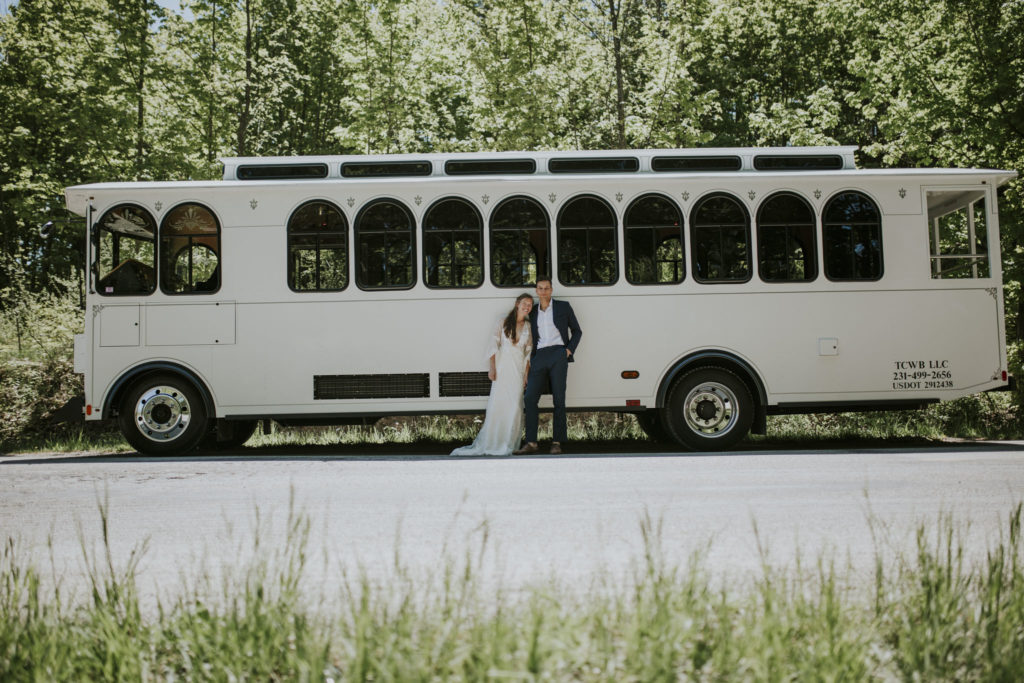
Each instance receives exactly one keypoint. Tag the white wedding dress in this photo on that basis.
(503, 423)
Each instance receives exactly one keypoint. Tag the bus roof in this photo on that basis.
(719, 162)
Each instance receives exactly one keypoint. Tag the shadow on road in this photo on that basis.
(433, 450)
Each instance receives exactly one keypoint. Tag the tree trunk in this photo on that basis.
(620, 104)
(246, 113)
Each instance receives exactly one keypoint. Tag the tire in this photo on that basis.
(163, 414)
(708, 409)
(650, 423)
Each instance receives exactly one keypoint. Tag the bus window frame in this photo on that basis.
(543, 269)
(815, 225)
(219, 268)
(356, 259)
(288, 245)
(479, 232)
(991, 198)
(615, 227)
(625, 241)
(881, 234)
(751, 254)
(97, 239)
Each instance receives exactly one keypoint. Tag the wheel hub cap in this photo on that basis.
(162, 413)
(710, 409)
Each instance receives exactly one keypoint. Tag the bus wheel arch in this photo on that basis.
(732, 385)
(162, 409)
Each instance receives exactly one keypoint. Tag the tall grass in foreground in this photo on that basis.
(928, 615)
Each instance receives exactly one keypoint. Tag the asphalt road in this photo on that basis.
(531, 519)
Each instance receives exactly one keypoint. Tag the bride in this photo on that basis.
(509, 353)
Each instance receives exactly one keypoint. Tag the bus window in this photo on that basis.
(958, 234)
(189, 251)
(519, 242)
(654, 242)
(452, 233)
(852, 238)
(317, 248)
(126, 257)
(785, 239)
(587, 252)
(385, 245)
(720, 235)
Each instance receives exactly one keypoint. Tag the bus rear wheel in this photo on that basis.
(163, 415)
(708, 409)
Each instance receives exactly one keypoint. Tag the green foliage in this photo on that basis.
(36, 333)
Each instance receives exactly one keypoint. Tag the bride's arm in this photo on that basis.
(492, 352)
(526, 352)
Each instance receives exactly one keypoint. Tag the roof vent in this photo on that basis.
(794, 162)
(595, 165)
(281, 171)
(384, 169)
(692, 164)
(490, 167)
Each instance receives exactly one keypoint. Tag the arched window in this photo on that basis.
(126, 251)
(519, 242)
(190, 251)
(587, 251)
(452, 236)
(852, 227)
(317, 248)
(785, 239)
(720, 239)
(385, 243)
(654, 241)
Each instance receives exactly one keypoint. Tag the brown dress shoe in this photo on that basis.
(556, 448)
(527, 449)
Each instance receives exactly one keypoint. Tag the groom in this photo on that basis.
(556, 334)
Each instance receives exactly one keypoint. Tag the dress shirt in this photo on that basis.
(549, 334)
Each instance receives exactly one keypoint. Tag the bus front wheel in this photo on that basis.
(163, 415)
(708, 409)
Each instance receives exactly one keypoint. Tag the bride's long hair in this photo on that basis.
(510, 327)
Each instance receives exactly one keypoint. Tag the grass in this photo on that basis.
(928, 615)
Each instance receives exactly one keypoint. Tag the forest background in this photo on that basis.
(111, 90)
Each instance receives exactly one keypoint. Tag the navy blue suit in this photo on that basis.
(551, 365)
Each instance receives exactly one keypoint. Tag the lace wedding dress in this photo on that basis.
(503, 424)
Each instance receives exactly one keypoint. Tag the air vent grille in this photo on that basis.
(413, 385)
(465, 384)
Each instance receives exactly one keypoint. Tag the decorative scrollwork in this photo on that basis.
(193, 219)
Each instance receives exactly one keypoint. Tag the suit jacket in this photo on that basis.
(565, 321)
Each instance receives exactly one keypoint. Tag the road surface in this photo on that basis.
(570, 518)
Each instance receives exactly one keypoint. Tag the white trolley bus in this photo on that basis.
(714, 286)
